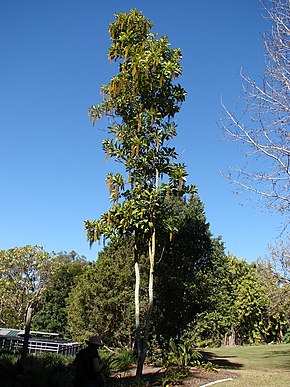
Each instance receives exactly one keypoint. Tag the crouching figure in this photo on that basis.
(88, 365)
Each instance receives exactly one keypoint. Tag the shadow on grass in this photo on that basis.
(220, 361)
(278, 353)
(279, 359)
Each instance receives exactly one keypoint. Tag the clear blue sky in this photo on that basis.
(53, 62)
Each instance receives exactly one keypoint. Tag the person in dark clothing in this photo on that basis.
(88, 365)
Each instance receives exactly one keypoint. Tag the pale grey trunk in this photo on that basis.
(143, 343)
(151, 251)
(137, 310)
(230, 338)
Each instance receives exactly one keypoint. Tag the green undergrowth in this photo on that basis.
(47, 370)
(36, 371)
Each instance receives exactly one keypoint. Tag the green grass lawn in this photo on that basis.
(257, 366)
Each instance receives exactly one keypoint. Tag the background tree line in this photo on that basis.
(202, 293)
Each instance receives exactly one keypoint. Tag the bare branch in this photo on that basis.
(262, 128)
(280, 258)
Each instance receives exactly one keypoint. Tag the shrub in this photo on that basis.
(286, 338)
(175, 375)
(182, 354)
(43, 370)
(122, 360)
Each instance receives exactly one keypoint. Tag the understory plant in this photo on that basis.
(36, 371)
(182, 354)
(122, 360)
(175, 375)
(286, 338)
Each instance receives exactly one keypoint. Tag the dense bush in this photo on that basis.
(45, 370)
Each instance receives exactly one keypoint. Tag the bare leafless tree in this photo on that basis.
(280, 259)
(262, 128)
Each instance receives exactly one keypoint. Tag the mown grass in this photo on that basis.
(257, 366)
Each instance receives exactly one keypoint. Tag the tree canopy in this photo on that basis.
(51, 314)
(24, 274)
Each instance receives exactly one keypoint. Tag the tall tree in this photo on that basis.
(102, 299)
(51, 313)
(250, 303)
(140, 103)
(280, 259)
(262, 127)
(24, 274)
(181, 273)
(244, 304)
(276, 319)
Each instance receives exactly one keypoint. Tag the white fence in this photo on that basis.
(39, 345)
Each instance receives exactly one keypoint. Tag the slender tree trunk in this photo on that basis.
(26, 333)
(280, 333)
(232, 337)
(142, 353)
(151, 251)
(137, 312)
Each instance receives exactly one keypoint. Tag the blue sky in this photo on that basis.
(53, 62)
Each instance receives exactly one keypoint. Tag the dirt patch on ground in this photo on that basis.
(197, 377)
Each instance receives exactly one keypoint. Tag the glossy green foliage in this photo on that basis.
(182, 353)
(140, 103)
(122, 360)
(175, 375)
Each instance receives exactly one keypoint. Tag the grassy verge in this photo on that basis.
(259, 366)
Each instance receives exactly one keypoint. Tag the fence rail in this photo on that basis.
(35, 345)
